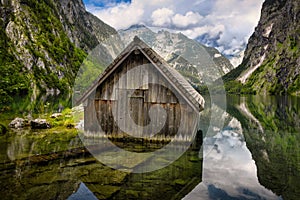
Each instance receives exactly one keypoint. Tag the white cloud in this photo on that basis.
(212, 30)
(162, 17)
(225, 24)
(161, 3)
(120, 16)
(190, 18)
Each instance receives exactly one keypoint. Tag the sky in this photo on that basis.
(223, 24)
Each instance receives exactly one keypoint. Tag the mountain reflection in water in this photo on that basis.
(255, 155)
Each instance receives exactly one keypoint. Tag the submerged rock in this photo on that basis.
(17, 123)
(39, 124)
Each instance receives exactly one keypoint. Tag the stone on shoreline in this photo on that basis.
(17, 123)
(56, 115)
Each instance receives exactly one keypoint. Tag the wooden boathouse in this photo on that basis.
(126, 96)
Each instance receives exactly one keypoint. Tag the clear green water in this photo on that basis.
(255, 155)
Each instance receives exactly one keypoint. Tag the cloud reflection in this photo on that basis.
(229, 172)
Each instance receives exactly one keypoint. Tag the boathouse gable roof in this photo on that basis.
(183, 87)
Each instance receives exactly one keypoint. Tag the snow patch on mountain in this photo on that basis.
(217, 55)
(248, 73)
(268, 31)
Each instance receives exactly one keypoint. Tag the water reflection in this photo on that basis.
(229, 171)
(276, 150)
(62, 171)
(37, 105)
(83, 192)
(256, 155)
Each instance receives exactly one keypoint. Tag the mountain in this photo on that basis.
(272, 58)
(83, 28)
(198, 63)
(271, 128)
(43, 43)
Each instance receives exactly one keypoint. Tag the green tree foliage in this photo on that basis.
(14, 79)
(47, 42)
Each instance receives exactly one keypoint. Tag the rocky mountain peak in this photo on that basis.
(188, 56)
(78, 3)
(83, 28)
(72, 8)
(135, 26)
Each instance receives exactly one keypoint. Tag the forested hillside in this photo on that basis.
(43, 44)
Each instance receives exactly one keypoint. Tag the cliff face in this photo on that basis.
(43, 44)
(272, 58)
(83, 28)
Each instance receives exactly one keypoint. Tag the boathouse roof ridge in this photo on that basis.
(182, 86)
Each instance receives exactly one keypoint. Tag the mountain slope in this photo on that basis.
(192, 59)
(83, 28)
(272, 58)
(43, 44)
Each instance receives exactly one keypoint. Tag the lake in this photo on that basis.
(255, 154)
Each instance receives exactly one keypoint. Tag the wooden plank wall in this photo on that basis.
(90, 115)
(141, 98)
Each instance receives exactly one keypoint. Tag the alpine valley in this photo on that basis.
(245, 146)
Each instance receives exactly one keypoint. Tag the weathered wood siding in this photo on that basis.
(180, 117)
